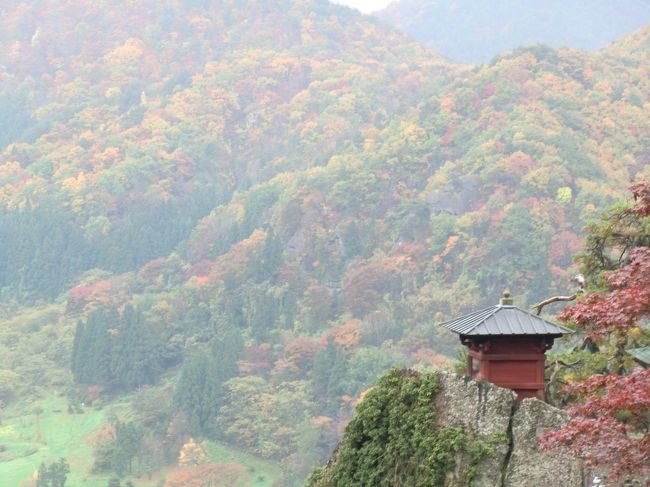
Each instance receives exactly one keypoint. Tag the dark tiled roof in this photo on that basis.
(503, 320)
(641, 354)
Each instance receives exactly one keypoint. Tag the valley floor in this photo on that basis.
(27, 439)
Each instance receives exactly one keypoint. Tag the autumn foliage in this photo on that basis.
(627, 299)
(620, 308)
(192, 454)
(209, 475)
(288, 172)
(610, 428)
(609, 421)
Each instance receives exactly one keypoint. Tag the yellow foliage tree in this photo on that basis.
(191, 454)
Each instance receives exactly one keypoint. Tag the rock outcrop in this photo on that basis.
(503, 434)
(528, 466)
(493, 415)
(485, 412)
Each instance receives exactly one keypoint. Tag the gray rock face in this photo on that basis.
(527, 466)
(491, 414)
(484, 411)
(490, 417)
(456, 197)
(480, 407)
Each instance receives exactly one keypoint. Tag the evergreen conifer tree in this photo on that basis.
(54, 474)
(127, 441)
(116, 350)
(79, 354)
(199, 392)
(330, 365)
(138, 354)
(189, 395)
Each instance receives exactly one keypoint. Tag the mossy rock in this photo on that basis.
(396, 439)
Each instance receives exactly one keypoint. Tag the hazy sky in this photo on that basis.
(366, 6)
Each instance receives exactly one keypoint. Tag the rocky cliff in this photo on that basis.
(486, 411)
(474, 433)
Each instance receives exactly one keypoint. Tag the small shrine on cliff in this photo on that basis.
(507, 346)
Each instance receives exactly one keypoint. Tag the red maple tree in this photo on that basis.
(622, 306)
(611, 427)
(609, 423)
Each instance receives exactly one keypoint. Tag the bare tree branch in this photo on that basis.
(555, 363)
(578, 279)
(588, 343)
(553, 383)
(539, 306)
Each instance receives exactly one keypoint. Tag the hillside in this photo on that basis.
(246, 212)
(115, 123)
(467, 31)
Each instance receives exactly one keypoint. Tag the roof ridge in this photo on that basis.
(504, 320)
(470, 314)
(543, 319)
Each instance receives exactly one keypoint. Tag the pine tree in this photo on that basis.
(189, 393)
(75, 349)
(330, 367)
(79, 362)
(272, 255)
(117, 350)
(101, 344)
(137, 358)
(227, 344)
(260, 310)
(43, 476)
(54, 474)
(199, 392)
(127, 441)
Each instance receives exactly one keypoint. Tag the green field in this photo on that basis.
(29, 440)
(263, 473)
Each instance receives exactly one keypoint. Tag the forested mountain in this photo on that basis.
(471, 31)
(115, 124)
(227, 218)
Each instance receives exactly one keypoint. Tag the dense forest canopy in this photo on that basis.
(225, 219)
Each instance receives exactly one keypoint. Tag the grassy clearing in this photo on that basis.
(263, 472)
(30, 439)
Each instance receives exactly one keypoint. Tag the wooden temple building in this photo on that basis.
(507, 346)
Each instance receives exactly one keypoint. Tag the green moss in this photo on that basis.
(395, 439)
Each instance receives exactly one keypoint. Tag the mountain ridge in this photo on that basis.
(466, 32)
(320, 206)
